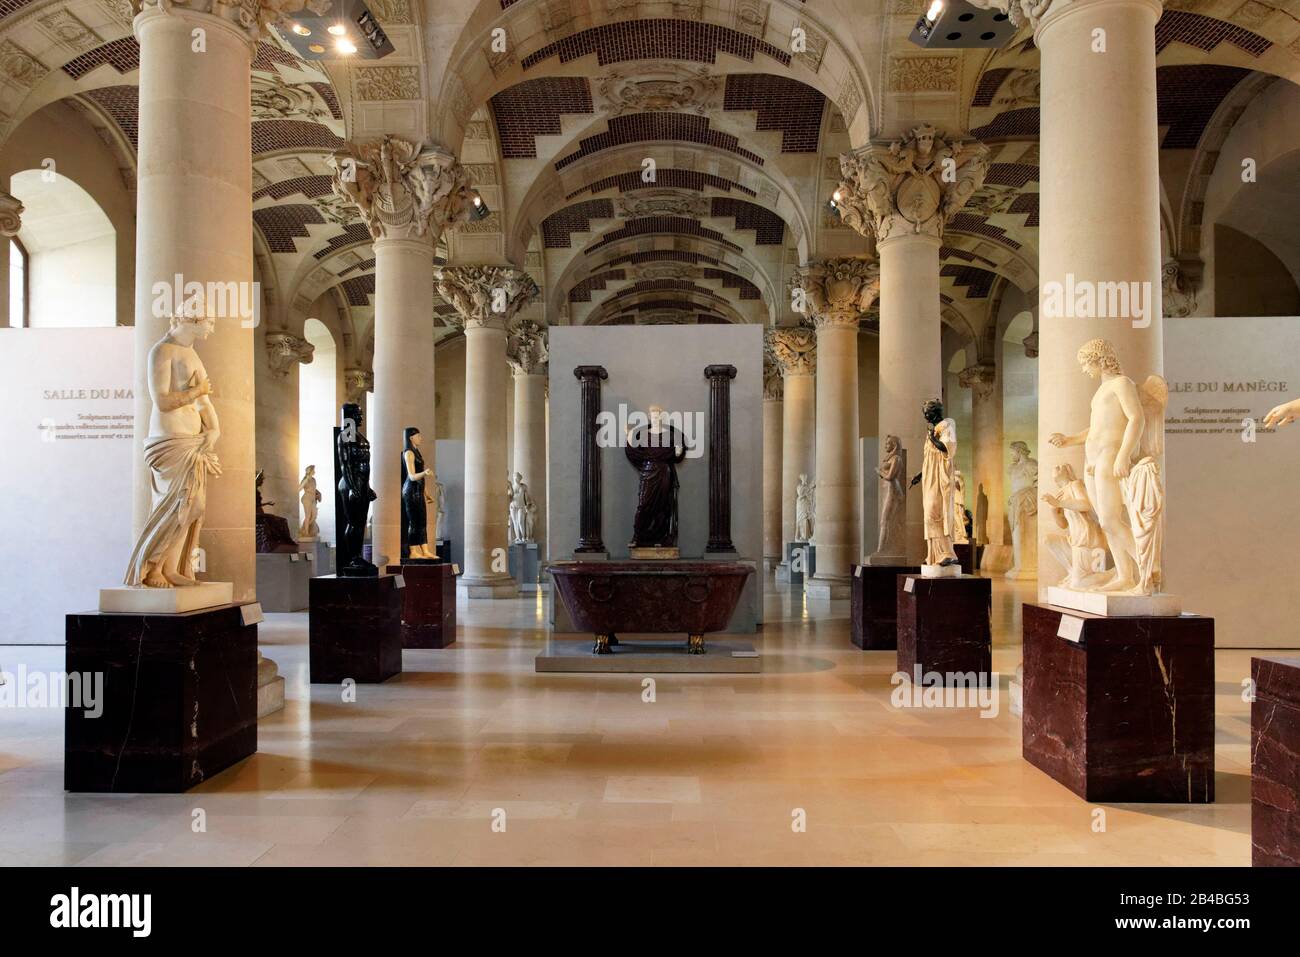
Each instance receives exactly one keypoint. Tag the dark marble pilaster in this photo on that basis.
(1275, 762)
(179, 699)
(355, 629)
(590, 534)
(720, 377)
(1120, 709)
(873, 605)
(945, 625)
(428, 604)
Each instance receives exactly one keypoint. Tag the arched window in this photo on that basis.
(17, 284)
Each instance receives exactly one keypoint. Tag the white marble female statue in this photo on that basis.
(1082, 550)
(439, 496)
(959, 536)
(805, 509)
(523, 511)
(893, 499)
(183, 429)
(1123, 449)
(1022, 512)
(310, 505)
(938, 482)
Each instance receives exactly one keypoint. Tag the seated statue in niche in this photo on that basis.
(938, 482)
(352, 464)
(272, 531)
(655, 450)
(415, 499)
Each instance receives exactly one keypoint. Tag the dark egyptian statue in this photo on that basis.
(352, 465)
(415, 512)
(655, 450)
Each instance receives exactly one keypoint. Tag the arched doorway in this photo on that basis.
(318, 404)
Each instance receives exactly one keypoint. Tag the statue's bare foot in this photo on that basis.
(1121, 586)
(153, 578)
(177, 580)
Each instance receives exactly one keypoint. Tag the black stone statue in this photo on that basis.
(354, 495)
(655, 450)
(415, 512)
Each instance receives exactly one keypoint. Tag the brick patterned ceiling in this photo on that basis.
(1013, 123)
(665, 285)
(284, 223)
(581, 292)
(792, 108)
(1026, 204)
(1187, 96)
(657, 127)
(656, 40)
(272, 135)
(1011, 174)
(312, 187)
(731, 281)
(1206, 33)
(122, 55)
(979, 226)
(648, 225)
(268, 56)
(326, 93)
(557, 227)
(352, 233)
(358, 290)
(988, 86)
(9, 7)
(532, 108)
(664, 179)
(122, 104)
(977, 282)
(664, 255)
(769, 228)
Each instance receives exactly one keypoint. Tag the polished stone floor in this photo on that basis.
(469, 757)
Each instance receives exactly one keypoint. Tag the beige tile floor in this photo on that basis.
(580, 770)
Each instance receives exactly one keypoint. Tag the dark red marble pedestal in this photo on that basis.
(1121, 709)
(874, 605)
(945, 626)
(1275, 763)
(969, 562)
(355, 629)
(428, 604)
(179, 699)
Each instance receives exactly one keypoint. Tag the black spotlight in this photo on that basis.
(335, 30)
(954, 24)
(479, 210)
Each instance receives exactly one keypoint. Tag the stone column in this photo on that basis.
(591, 537)
(11, 222)
(720, 377)
(903, 194)
(772, 448)
(1100, 202)
(794, 350)
(390, 181)
(277, 420)
(987, 457)
(835, 293)
(527, 354)
(486, 299)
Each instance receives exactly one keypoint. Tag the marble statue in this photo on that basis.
(309, 529)
(415, 498)
(892, 470)
(352, 454)
(271, 531)
(805, 509)
(981, 535)
(523, 511)
(1082, 549)
(960, 537)
(938, 482)
(183, 431)
(1123, 451)
(655, 449)
(439, 509)
(1022, 512)
(1283, 414)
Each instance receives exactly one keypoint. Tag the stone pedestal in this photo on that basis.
(179, 699)
(270, 687)
(1120, 709)
(428, 604)
(796, 573)
(282, 579)
(965, 557)
(525, 565)
(945, 626)
(1275, 763)
(874, 605)
(355, 629)
(320, 554)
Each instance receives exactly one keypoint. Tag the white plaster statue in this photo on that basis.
(805, 509)
(523, 511)
(1123, 450)
(439, 495)
(1022, 512)
(183, 429)
(1082, 549)
(310, 504)
(892, 539)
(938, 482)
(959, 509)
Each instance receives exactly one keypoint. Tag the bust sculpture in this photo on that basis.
(415, 513)
(310, 499)
(938, 482)
(523, 510)
(1022, 512)
(805, 509)
(1123, 449)
(352, 463)
(179, 452)
(893, 499)
(655, 450)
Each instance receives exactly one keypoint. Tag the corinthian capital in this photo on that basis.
(1019, 11)
(836, 291)
(402, 189)
(284, 349)
(794, 350)
(253, 16)
(979, 378)
(11, 214)
(356, 383)
(526, 348)
(915, 185)
(485, 296)
(773, 384)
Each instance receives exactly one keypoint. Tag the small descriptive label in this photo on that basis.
(251, 613)
(857, 572)
(310, 556)
(745, 654)
(455, 569)
(909, 584)
(293, 557)
(1071, 628)
(399, 581)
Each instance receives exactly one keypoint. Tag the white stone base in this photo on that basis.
(941, 571)
(140, 600)
(270, 688)
(996, 558)
(1022, 575)
(1110, 605)
(886, 560)
(828, 588)
(783, 574)
(1016, 692)
(504, 587)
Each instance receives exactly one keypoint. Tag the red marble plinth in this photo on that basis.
(1121, 709)
(428, 604)
(1275, 763)
(355, 629)
(945, 625)
(873, 605)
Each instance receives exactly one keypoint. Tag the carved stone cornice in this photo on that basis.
(403, 190)
(284, 350)
(794, 350)
(1177, 290)
(356, 383)
(254, 17)
(1030, 342)
(662, 204)
(11, 214)
(979, 378)
(836, 292)
(913, 186)
(526, 349)
(773, 384)
(674, 89)
(485, 296)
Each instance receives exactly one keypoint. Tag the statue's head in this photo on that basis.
(1097, 356)
(311, 470)
(656, 415)
(519, 478)
(803, 479)
(924, 138)
(1019, 451)
(352, 413)
(933, 411)
(190, 328)
(891, 444)
(411, 438)
(1063, 474)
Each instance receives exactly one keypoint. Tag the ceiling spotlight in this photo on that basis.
(337, 30)
(936, 8)
(299, 29)
(955, 24)
(316, 48)
(345, 47)
(345, 28)
(836, 197)
(480, 209)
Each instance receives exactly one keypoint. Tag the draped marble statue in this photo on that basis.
(892, 539)
(439, 509)
(523, 511)
(310, 499)
(805, 509)
(655, 450)
(1022, 512)
(960, 536)
(938, 482)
